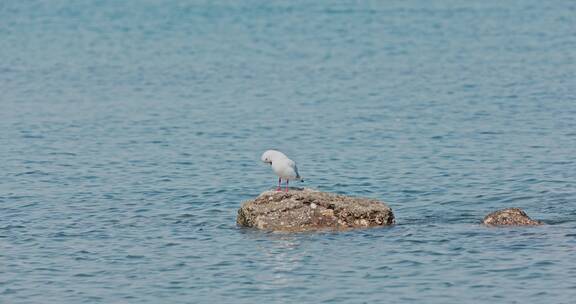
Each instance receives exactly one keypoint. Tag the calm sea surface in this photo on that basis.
(131, 131)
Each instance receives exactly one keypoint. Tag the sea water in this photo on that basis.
(131, 131)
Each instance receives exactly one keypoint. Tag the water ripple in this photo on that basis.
(131, 132)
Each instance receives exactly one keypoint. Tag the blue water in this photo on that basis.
(131, 132)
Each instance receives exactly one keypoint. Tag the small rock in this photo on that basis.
(308, 210)
(509, 217)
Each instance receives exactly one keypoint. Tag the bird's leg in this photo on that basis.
(287, 185)
(279, 182)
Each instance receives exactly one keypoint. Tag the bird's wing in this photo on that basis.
(293, 165)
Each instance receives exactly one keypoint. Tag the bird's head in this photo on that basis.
(267, 156)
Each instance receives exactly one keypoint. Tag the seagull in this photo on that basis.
(284, 167)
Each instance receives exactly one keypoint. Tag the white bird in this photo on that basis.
(284, 167)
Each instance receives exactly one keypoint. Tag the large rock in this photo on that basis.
(510, 217)
(306, 210)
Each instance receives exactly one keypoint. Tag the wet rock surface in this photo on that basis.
(309, 210)
(510, 217)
